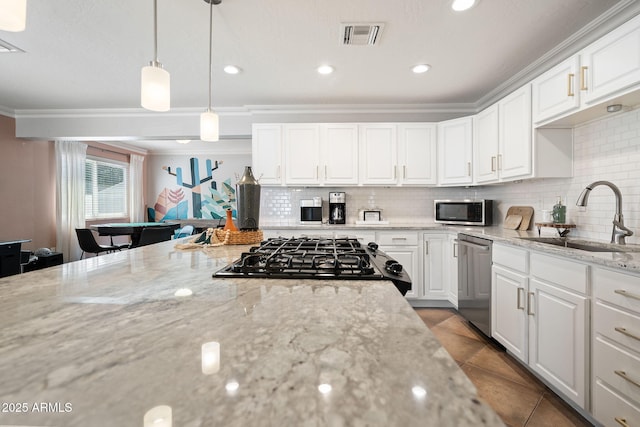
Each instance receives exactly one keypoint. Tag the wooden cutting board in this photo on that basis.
(511, 222)
(525, 211)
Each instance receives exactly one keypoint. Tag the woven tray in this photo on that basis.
(239, 237)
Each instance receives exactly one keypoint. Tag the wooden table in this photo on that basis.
(133, 229)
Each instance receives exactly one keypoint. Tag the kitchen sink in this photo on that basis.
(584, 245)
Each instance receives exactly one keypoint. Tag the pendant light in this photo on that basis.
(13, 15)
(209, 123)
(155, 92)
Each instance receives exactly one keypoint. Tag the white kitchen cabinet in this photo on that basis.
(434, 281)
(339, 154)
(514, 156)
(616, 348)
(508, 311)
(611, 65)
(455, 141)
(378, 154)
(485, 146)
(302, 154)
(403, 246)
(266, 153)
(556, 92)
(417, 160)
(451, 268)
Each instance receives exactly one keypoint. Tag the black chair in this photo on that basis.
(88, 243)
(151, 235)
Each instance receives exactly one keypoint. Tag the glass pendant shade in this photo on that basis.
(209, 127)
(13, 15)
(155, 93)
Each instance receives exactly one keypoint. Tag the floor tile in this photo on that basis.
(460, 347)
(553, 412)
(458, 325)
(497, 361)
(432, 316)
(513, 402)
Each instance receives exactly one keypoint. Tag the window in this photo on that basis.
(105, 189)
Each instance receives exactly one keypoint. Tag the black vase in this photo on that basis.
(248, 199)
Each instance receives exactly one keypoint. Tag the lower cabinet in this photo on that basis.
(403, 246)
(540, 314)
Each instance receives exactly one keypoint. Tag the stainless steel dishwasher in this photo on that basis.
(474, 281)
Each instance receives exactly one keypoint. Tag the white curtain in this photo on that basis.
(70, 179)
(136, 198)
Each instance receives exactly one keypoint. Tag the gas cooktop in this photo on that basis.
(317, 258)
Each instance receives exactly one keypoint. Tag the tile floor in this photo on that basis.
(518, 397)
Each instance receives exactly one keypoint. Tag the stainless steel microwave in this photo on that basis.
(463, 212)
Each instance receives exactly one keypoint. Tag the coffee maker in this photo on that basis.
(337, 208)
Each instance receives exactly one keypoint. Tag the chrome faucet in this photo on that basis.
(619, 231)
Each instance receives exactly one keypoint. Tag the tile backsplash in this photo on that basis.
(606, 149)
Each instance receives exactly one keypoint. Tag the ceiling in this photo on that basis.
(87, 54)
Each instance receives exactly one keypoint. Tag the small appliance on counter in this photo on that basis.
(463, 212)
(371, 216)
(337, 208)
(311, 211)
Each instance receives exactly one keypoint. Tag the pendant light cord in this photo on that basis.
(155, 32)
(210, 47)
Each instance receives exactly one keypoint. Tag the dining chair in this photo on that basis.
(151, 235)
(88, 243)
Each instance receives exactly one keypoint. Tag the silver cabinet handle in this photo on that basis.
(624, 331)
(395, 172)
(530, 304)
(404, 172)
(499, 162)
(325, 171)
(621, 421)
(519, 305)
(426, 248)
(317, 171)
(455, 250)
(493, 163)
(627, 294)
(278, 172)
(468, 168)
(623, 375)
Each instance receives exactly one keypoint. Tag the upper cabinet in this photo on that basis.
(378, 154)
(266, 147)
(485, 145)
(514, 157)
(417, 154)
(302, 154)
(455, 141)
(339, 150)
(608, 68)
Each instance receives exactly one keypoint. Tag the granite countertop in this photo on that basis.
(100, 342)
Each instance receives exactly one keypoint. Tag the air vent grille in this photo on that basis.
(6, 47)
(363, 34)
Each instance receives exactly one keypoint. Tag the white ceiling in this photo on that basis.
(87, 54)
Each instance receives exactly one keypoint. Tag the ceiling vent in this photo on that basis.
(362, 34)
(8, 47)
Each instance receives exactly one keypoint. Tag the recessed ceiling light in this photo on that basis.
(183, 141)
(325, 69)
(231, 69)
(421, 68)
(460, 5)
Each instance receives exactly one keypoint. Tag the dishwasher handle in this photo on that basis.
(473, 245)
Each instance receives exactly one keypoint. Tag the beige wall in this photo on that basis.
(27, 188)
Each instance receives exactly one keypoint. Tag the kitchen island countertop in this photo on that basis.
(100, 342)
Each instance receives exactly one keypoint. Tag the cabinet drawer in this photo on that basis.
(617, 288)
(569, 274)
(617, 325)
(393, 238)
(608, 406)
(612, 364)
(511, 257)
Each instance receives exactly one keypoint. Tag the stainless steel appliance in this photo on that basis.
(341, 258)
(248, 200)
(463, 212)
(311, 211)
(337, 208)
(474, 281)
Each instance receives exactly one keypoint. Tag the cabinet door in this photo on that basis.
(557, 91)
(508, 313)
(558, 338)
(514, 159)
(408, 257)
(266, 148)
(451, 268)
(611, 64)
(485, 145)
(417, 154)
(302, 154)
(378, 154)
(454, 151)
(339, 154)
(435, 285)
